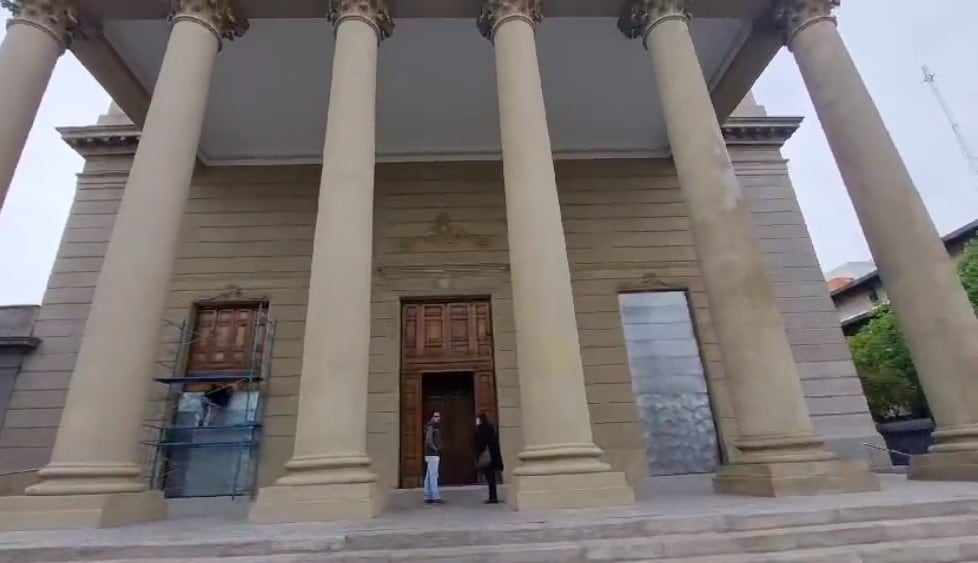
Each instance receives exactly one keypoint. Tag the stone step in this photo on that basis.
(924, 540)
(939, 550)
(942, 550)
(646, 527)
(607, 538)
(782, 539)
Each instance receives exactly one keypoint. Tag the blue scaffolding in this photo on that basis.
(203, 448)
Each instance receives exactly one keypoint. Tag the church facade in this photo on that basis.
(581, 226)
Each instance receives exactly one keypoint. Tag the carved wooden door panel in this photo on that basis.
(444, 331)
(444, 340)
(226, 338)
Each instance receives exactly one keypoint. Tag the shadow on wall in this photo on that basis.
(16, 341)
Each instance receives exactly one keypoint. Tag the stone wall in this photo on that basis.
(440, 230)
(16, 342)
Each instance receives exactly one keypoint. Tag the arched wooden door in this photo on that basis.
(446, 365)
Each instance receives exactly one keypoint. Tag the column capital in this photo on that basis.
(221, 17)
(58, 18)
(496, 12)
(639, 17)
(373, 12)
(793, 16)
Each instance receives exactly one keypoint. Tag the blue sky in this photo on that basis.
(889, 39)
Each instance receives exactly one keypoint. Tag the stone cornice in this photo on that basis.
(793, 16)
(57, 18)
(102, 140)
(373, 12)
(639, 17)
(122, 139)
(754, 131)
(221, 17)
(497, 12)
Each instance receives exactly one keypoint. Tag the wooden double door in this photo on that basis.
(446, 366)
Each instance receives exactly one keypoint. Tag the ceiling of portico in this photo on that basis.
(436, 87)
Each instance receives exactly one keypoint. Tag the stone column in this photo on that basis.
(931, 307)
(36, 36)
(329, 476)
(93, 478)
(561, 465)
(780, 452)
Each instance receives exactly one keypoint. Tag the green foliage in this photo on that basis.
(885, 369)
(968, 271)
(883, 361)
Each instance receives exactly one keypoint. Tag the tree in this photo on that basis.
(882, 359)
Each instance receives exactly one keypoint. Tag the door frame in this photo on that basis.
(410, 463)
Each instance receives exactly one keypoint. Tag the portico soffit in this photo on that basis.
(438, 9)
(261, 114)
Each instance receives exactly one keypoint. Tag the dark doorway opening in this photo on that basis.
(453, 395)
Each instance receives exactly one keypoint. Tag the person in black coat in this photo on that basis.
(490, 459)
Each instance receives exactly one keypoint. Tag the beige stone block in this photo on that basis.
(601, 338)
(286, 367)
(832, 387)
(826, 369)
(582, 490)
(80, 511)
(822, 352)
(838, 405)
(382, 402)
(28, 399)
(795, 479)
(614, 413)
(282, 406)
(944, 466)
(279, 426)
(507, 397)
(613, 374)
(610, 393)
(317, 503)
(44, 329)
(42, 380)
(615, 355)
(32, 418)
(618, 435)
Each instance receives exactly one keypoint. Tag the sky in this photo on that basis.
(889, 40)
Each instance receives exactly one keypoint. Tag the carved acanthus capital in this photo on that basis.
(639, 17)
(221, 17)
(59, 18)
(497, 12)
(373, 12)
(793, 16)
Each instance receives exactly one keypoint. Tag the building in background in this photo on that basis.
(274, 271)
(855, 296)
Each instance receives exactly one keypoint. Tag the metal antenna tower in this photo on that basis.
(931, 80)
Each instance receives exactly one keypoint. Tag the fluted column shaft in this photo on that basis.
(330, 469)
(336, 350)
(556, 423)
(96, 450)
(765, 388)
(929, 302)
(774, 427)
(36, 36)
(93, 479)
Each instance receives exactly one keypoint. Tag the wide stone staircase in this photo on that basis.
(921, 531)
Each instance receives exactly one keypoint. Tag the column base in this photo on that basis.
(317, 503)
(575, 490)
(80, 511)
(944, 466)
(797, 478)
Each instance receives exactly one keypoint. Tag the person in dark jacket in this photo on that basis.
(432, 457)
(490, 459)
